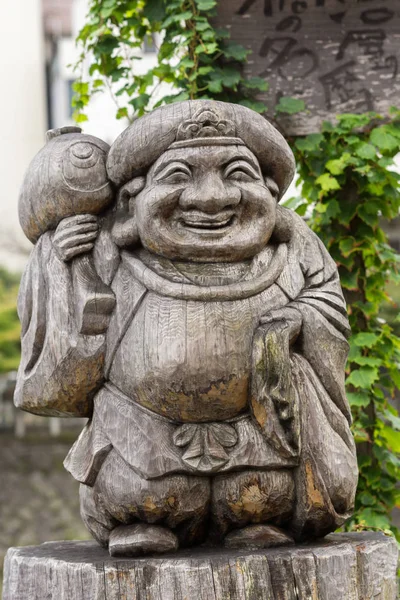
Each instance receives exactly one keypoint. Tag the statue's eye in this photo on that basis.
(241, 171)
(174, 173)
(177, 176)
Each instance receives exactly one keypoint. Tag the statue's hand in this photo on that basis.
(274, 401)
(75, 236)
(289, 317)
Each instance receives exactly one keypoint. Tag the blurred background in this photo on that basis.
(38, 499)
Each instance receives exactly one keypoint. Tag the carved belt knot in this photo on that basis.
(206, 443)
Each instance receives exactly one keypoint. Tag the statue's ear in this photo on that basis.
(124, 231)
(284, 222)
(273, 187)
(283, 230)
(129, 191)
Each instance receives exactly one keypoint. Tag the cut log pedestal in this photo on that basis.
(354, 566)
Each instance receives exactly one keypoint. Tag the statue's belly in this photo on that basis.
(187, 360)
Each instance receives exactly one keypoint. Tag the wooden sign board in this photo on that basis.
(337, 55)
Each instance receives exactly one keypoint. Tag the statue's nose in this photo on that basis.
(211, 195)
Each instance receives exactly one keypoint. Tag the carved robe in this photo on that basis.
(186, 368)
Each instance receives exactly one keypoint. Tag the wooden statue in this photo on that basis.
(204, 335)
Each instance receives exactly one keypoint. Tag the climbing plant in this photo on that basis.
(346, 174)
(346, 179)
(193, 58)
(10, 328)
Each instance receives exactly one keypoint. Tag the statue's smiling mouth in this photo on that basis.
(205, 223)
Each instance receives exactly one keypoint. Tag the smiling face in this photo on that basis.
(205, 204)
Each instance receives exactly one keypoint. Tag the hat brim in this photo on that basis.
(143, 142)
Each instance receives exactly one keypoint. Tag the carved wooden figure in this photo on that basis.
(215, 385)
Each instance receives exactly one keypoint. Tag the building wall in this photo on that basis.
(23, 113)
(102, 109)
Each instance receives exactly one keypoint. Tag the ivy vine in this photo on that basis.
(346, 179)
(346, 174)
(194, 59)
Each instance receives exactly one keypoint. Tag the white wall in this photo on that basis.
(22, 112)
(102, 108)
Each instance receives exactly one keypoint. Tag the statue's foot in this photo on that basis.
(132, 540)
(254, 537)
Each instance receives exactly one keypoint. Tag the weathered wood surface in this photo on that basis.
(338, 56)
(356, 566)
(198, 324)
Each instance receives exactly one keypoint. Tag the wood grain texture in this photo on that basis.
(355, 566)
(339, 56)
(199, 326)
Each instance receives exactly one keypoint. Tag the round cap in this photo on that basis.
(200, 122)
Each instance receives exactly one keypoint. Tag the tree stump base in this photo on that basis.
(354, 566)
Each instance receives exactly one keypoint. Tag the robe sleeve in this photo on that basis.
(325, 325)
(60, 369)
(298, 392)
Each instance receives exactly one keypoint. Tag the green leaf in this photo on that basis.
(347, 213)
(203, 25)
(365, 339)
(338, 165)
(259, 107)
(364, 461)
(369, 518)
(363, 377)
(215, 86)
(391, 437)
(393, 419)
(205, 70)
(290, 105)
(227, 76)
(383, 140)
(79, 117)
(235, 51)
(140, 102)
(366, 151)
(348, 121)
(209, 36)
(365, 213)
(122, 113)
(327, 182)
(187, 63)
(360, 435)
(205, 4)
(358, 399)
(230, 77)
(206, 48)
(177, 18)
(368, 361)
(294, 202)
(367, 499)
(222, 33)
(385, 161)
(80, 87)
(310, 143)
(256, 83)
(321, 208)
(349, 280)
(347, 245)
(333, 209)
(154, 10)
(327, 127)
(176, 98)
(106, 12)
